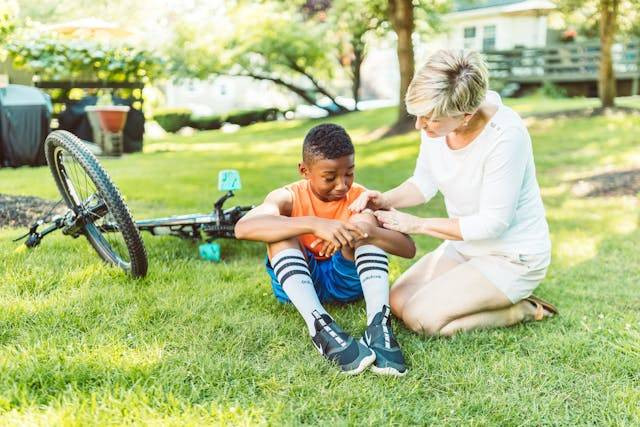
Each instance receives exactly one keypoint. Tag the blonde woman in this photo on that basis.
(496, 250)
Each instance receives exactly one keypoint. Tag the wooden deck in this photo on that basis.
(571, 64)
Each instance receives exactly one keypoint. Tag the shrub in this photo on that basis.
(549, 90)
(206, 122)
(173, 119)
(247, 117)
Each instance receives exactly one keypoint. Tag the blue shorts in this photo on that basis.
(335, 279)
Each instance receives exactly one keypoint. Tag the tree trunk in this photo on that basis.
(358, 53)
(606, 78)
(401, 17)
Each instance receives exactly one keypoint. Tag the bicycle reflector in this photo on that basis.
(229, 180)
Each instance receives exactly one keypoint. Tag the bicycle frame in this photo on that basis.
(207, 227)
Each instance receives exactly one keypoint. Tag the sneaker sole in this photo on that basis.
(388, 371)
(385, 371)
(364, 364)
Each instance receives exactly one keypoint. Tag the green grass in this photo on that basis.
(199, 343)
(538, 105)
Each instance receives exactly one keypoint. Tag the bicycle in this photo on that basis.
(97, 210)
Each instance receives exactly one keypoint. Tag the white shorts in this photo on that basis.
(516, 275)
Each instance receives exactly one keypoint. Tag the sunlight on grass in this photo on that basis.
(198, 343)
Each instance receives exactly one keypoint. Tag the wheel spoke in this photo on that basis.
(103, 229)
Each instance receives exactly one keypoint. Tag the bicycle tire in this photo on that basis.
(62, 143)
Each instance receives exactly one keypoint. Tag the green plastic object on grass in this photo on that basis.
(210, 252)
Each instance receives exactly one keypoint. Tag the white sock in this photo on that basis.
(373, 269)
(293, 274)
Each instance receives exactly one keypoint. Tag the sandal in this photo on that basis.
(541, 305)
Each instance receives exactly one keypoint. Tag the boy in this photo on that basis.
(319, 251)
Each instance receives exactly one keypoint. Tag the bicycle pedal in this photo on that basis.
(210, 252)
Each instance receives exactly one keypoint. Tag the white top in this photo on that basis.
(489, 185)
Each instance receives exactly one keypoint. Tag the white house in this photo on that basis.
(495, 25)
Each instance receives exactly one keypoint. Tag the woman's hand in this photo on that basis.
(399, 221)
(369, 199)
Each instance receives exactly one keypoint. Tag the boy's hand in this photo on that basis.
(334, 235)
(369, 199)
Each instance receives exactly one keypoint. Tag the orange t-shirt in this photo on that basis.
(305, 203)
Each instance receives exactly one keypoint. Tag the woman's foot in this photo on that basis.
(541, 308)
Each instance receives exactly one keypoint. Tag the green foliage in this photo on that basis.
(268, 42)
(70, 59)
(206, 122)
(8, 15)
(550, 90)
(172, 119)
(585, 16)
(247, 117)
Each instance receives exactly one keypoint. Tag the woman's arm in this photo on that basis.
(418, 189)
(405, 195)
(442, 228)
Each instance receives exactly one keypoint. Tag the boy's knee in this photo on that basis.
(274, 248)
(364, 221)
(364, 217)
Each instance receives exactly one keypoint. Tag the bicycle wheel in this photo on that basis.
(86, 188)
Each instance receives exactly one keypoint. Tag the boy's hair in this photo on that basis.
(326, 141)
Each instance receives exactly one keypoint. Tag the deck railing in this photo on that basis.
(569, 62)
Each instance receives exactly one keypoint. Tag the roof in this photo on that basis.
(462, 5)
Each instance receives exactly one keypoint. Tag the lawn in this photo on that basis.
(201, 343)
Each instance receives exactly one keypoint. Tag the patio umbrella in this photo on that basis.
(90, 27)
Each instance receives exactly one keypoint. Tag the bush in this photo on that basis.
(206, 122)
(173, 119)
(549, 90)
(247, 117)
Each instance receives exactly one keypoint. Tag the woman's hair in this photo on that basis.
(452, 82)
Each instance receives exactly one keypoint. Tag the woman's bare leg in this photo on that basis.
(418, 275)
(519, 312)
(458, 293)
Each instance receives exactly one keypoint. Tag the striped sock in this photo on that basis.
(373, 269)
(293, 275)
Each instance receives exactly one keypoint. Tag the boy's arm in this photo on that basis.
(391, 241)
(270, 222)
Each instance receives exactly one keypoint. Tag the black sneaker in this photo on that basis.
(379, 337)
(337, 346)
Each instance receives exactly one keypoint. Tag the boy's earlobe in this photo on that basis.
(302, 169)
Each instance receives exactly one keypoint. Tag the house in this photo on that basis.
(486, 25)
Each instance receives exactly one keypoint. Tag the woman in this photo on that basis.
(496, 250)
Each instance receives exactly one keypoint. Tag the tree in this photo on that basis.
(402, 18)
(606, 77)
(352, 23)
(266, 43)
(610, 19)
(8, 15)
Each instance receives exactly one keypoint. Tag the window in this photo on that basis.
(469, 37)
(489, 37)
